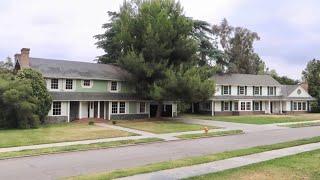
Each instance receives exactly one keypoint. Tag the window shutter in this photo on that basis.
(230, 107)
(222, 105)
(238, 90)
(268, 90)
(308, 106)
(260, 90)
(253, 106)
(260, 105)
(291, 104)
(275, 91)
(245, 90)
(222, 88)
(229, 90)
(253, 90)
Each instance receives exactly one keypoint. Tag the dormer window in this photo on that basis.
(114, 86)
(54, 84)
(86, 83)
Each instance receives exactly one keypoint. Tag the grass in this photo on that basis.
(192, 160)
(259, 119)
(210, 134)
(161, 126)
(299, 125)
(300, 166)
(57, 133)
(83, 147)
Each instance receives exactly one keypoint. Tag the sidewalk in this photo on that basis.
(216, 166)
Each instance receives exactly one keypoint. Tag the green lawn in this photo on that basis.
(259, 119)
(210, 134)
(301, 166)
(303, 125)
(192, 160)
(57, 133)
(161, 126)
(83, 147)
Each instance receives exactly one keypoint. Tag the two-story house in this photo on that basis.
(238, 94)
(86, 90)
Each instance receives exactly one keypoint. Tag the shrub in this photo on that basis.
(91, 122)
(315, 107)
(114, 122)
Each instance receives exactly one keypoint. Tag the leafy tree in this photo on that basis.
(6, 65)
(39, 91)
(158, 44)
(237, 45)
(17, 104)
(312, 75)
(282, 79)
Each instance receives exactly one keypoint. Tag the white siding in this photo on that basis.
(217, 106)
(264, 91)
(249, 90)
(234, 90)
(218, 90)
(304, 93)
(64, 109)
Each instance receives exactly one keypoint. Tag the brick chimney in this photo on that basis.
(305, 85)
(24, 58)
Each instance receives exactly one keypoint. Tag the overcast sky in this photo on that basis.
(64, 29)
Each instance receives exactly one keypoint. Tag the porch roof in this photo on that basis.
(88, 96)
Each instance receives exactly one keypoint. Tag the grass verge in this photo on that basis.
(301, 166)
(210, 134)
(300, 125)
(192, 160)
(82, 147)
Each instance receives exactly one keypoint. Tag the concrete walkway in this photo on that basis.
(232, 125)
(55, 166)
(216, 166)
(299, 122)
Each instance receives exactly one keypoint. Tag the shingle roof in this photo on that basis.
(286, 90)
(77, 70)
(272, 98)
(245, 80)
(87, 96)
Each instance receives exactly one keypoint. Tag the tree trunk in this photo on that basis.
(159, 110)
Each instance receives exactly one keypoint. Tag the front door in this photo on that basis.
(74, 110)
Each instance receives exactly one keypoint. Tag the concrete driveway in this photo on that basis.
(76, 163)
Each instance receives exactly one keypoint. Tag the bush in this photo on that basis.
(114, 122)
(91, 122)
(315, 108)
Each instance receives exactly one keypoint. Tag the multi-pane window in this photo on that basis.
(114, 107)
(56, 108)
(86, 83)
(225, 89)
(54, 83)
(299, 106)
(243, 106)
(294, 105)
(271, 91)
(241, 90)
(226, 106)
(122, 107)
(114, 85)
(142, 108)
(256, 105)
(69, 84)
(248, 106)
(236, 106)
(256, 90)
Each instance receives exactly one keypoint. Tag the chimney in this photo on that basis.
(24, 58)
(305, 86)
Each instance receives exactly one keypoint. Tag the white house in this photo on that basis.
(239, 94)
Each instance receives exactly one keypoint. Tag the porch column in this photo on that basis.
(98, 109)
(105, 110)
(192, 108)
(109, 111)
(212, 108)
(68, 107)
(280, 107)
(80, 103)
(269, 107)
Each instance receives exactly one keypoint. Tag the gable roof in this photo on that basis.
(245, 80)
(286, 90)
(53, 68)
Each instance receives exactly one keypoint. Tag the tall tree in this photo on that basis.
(282, 79)
(237, 45)
(6, 65)
(312, 75)
(158, 44)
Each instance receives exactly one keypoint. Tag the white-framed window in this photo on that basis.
(87, 83)
(248, 106)
(256, 90)
(256, 105)
(122, 107)
(243, 106)
(226, 106)
(299, 106)
(54, 84)
(272, 91)
(114, 86)
(225, 90)
(295, 106)
(236, 106)
(241, 90)
(142, 107)
(69, 84)
(56, 108)
(114, 107)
